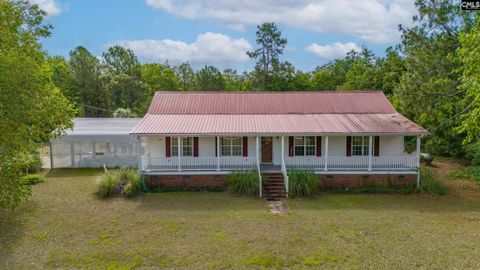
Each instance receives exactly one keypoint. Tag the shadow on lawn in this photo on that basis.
(12, 230)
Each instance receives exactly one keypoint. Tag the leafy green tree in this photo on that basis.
(85, 69)
(186, 75)
(160, 77)
(331, 76)
(469, 54)
(120, 60)
(63, 78)
(32, 109)
(363, 74)
(271, 47)
(209, 78)
(428, 91)
(390, 70)
(127, 92)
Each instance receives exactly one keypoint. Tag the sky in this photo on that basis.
(220, 32)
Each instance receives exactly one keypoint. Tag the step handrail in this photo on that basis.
(285, 177)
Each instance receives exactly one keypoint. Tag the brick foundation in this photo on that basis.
(336, 181)
(329, 181)
(185, 181)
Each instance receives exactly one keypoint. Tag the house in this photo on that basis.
(195, 139)
(96, 142)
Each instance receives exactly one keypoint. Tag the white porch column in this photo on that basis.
(179, 156)
(418, 160)
(218, 153)
(283, 149)
(326, 154)
(369, 153)
(257, 149)
(257, 154)
(72, 155)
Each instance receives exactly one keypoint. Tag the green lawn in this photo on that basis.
(66, 226)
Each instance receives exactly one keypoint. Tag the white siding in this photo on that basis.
(389, 145)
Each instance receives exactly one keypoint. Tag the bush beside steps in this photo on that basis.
(119, 182)
(243, 183)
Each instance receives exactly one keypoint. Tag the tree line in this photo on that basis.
(431, 76)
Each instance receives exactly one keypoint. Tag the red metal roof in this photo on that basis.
(276, 124)
(269, 102)
(205, 113)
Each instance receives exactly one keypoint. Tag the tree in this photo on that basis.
(126, 92)
(159, 77)
(363, 74)
(32, 109)
(428, 91)
(469, 54)
(124, 113)
(186, 76)
(209, 78)
(120, 60)
(85, 69)
(271, 47)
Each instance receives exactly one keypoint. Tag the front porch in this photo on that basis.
(278, 153)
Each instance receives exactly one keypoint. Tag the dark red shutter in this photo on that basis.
(195, 146)
(290, 146)
(349, 146)
(245, 146)
(216, 146)
(376, 149)
(319, 146)
(168, 152)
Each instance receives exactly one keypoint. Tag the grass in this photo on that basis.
(302, 184)
(67, 226)
(471, 173)
(243, 183)
(108, 183)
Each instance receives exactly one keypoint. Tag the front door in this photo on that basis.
(267, 149)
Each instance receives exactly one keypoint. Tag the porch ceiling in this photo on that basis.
(204, 124)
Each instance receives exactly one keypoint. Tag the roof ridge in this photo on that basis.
(267, 92)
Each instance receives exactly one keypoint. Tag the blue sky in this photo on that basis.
(219, 32)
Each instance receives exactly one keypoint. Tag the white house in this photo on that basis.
(196, 138)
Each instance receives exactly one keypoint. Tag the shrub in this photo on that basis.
(429, 182)
(471, 172)
(123, 181)
(302, 184)
(33, 164)
(473, 152)
(32, 179)
(243, 183)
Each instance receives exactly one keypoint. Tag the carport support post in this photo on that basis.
(218, 153)
(179, 144)
(51, 155)
(369, 153)
(72, 155)
(94, 154)
(139, 154)
(326, 154)
(418, 161)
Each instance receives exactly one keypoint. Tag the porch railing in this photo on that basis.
(200, 164)
(343, 163)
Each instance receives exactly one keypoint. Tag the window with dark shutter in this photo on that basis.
(245, 146)
(376, 147)
(195, 146)
(168, 152)
(349, 146)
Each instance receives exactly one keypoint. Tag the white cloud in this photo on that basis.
(52, 7)
(332, 51)
(373, 21)
(208, 48)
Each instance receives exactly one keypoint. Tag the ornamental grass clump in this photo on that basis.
(429, 182)
(243, 183)
(119, 182)
(303, 184)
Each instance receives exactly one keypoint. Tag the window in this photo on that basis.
(360, 146)
(231, 146)
(186, 144)
(305, 146)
